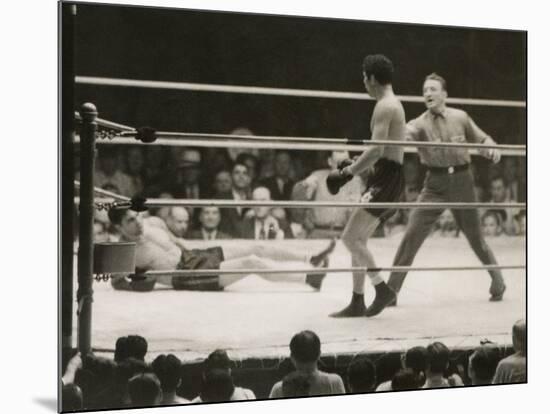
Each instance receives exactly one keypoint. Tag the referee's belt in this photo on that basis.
(449, 170)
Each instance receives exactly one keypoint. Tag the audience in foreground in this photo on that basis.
(514, 367)
(92, 382)
(305, 351)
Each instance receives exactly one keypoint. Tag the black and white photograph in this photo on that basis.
(258, 206)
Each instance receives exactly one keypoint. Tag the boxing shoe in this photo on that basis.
(355, 309)
(384, 296)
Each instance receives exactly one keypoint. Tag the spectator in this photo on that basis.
(326, 222)
(187, 182)
(445, 226)
(361, 375)
(251, 163)
(405, 379)
(100, 232)
(438, 363)
(209, 219)
(416, 359)
(491, 223)
(217, 160)
(510, 172)
(500, 194)
(71, 398)
(144, 390)
(187, 175)
(131, 346)
(223, 184)
(522, 179)
(167, 368)
(74, 364)
(482, 365)
(235, 152)
(305, 350)
(96, 380)
(266, 159)
(514, 368)
(154, 169)
(520, 221)
(157, 216)
(296, 384)
(135, 167)
(125, 370)
(219, 360)
(261, 224)
(108, 173)
(217, 386)
(232, 217)
(280, 185)
(177, 221)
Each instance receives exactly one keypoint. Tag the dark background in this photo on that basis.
(288, 52)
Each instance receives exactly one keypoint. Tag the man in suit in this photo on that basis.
(209, 218)
(187, 179)
(280, 185)
(240, 190)
(260, 224)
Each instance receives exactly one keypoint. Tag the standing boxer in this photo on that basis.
(385, 183)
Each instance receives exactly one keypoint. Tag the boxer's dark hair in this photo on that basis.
(117, 214)
(438, 357)
(436, 77)
(305, 346)
(379, 66)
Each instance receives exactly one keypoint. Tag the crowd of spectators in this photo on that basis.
(217, 173)
(128, 380)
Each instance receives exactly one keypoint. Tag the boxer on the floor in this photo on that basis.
(385, 183)
(157, 249)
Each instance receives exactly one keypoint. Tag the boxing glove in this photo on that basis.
(336, 180)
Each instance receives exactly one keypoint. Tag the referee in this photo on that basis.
(449, 179)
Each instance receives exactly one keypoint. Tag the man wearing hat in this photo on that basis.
(187, 179)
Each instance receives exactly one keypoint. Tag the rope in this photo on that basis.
(106, 124)
(159, 202)
(256, 90)
(210, 272)
(105, 193)
(312, 141)
(517, 150)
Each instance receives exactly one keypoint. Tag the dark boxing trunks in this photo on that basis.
(194, 259)
(385, 184)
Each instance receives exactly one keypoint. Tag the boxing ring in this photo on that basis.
(444, 299)
(254, 318)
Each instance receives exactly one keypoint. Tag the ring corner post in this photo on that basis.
(88, 131)
(66, 51)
